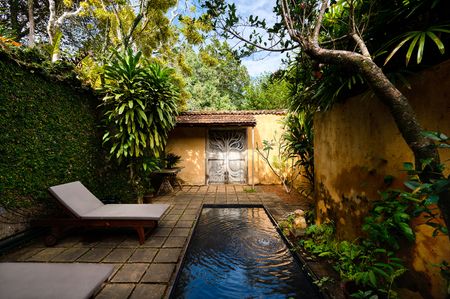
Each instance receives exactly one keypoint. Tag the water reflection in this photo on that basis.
(237, 253)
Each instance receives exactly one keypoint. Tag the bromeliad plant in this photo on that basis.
(139, 111)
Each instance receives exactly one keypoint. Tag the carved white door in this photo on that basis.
(226, 156)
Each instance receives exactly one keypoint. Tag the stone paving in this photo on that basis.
(148, 270)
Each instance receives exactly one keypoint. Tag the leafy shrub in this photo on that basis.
(140, 108)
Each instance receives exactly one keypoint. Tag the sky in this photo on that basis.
(261, 62)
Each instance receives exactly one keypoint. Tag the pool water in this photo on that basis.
(238, 253)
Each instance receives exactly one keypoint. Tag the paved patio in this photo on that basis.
(148, 270)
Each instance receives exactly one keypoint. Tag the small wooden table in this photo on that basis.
(167, 175)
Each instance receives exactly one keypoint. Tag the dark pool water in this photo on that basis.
(238, 253)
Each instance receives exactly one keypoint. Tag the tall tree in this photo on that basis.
(305, 23)
(217, 79)
(56, 20)
(31, 24)
(267, 92)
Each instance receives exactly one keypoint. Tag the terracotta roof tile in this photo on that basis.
(223, 118)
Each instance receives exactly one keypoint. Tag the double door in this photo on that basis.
(227, 156)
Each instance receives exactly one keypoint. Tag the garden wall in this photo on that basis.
(357, 144)
(49, 132)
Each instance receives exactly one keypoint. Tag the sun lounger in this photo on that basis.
(51, 280)
(88, 211)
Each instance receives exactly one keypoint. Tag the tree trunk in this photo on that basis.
(14, 15)
(31, 26)
(401, 111)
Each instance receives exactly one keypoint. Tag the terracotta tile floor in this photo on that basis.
(148, 270)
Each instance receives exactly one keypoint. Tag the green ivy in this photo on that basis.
(49, 135)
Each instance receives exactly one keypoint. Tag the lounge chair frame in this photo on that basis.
(58, 226)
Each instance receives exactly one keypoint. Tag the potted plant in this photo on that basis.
(172, 160)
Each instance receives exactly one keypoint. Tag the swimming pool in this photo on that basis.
(237, 252)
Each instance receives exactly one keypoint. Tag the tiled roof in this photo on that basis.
(245, 118)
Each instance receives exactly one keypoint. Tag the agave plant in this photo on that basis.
(139, 110)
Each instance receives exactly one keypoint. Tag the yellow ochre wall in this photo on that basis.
(267, 127)
(357, 144)
(190, 144)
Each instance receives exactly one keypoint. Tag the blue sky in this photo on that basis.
(263, 61)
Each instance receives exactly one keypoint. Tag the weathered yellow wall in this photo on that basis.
(357, 144)
(267, 127)
(190, 144)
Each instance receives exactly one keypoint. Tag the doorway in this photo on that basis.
(226, 156)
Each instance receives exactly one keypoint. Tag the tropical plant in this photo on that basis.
(279, 163)
(371, 267)
(139, 111)
(299, 145)
(417, 39)
(172, 160)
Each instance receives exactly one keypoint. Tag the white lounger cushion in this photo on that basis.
(128, 212)
(76, 197)
(51, 280)
(79, 200)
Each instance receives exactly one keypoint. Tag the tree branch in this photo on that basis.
(316, 31)
(361, 44)
(68, 14)
(236, 35)
(354, 34)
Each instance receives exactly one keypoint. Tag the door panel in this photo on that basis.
(226, 154)
(216, 170)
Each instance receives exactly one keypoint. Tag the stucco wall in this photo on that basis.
(357, 144)
(190, 144)
(268, 127)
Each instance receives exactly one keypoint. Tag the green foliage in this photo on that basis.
(217, 79)
(172, 160)
(49, 136)
(299, 144)
(323, 281)
(139, 106)
(372, 267)
(139, 111)
(417, 39)
(321, 241)
(389, 219)
(389, 27)
(249, 190)
(267, 92)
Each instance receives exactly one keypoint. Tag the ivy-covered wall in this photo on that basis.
(49, 135)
